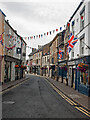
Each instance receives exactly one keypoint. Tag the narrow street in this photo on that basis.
(35, 98)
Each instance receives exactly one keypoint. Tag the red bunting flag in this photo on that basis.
(68, 24)
(82, 17)
(56, 30)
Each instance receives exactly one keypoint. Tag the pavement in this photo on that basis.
(79, 98)
(11, 84)
(73, 94)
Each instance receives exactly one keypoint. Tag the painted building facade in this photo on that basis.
(80, 54)
(11, 52)
(2, 20)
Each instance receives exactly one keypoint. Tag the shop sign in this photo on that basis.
(71, 63)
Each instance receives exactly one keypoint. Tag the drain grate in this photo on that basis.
(8, 102)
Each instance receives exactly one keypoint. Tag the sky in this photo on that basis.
(34, 17)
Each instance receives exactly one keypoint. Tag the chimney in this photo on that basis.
(15, 31)
(8, 21)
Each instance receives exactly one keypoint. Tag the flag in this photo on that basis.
(71, 42)
(68, 24)
(53, 31)
(56, 30)
(50, 32)
(60, 53)
(1, 39)
(60, 28)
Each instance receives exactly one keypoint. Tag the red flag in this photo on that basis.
(68, 24)
(82, 17)
(56, 30)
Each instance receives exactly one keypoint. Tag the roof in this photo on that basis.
(14, 31)
(58, 34)
(76, 10)
(2, 12)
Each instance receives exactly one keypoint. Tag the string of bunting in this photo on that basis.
(52, 31)
(14, 39)
(44, 34)
(32, 37)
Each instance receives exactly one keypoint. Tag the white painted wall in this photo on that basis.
(85, 30)
(17, 45)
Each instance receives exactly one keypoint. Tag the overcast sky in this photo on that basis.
(36, 17)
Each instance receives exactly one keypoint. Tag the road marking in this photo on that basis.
(69, 100)
(8, 102)
(85, 110)
(2, 92)
(82, 111)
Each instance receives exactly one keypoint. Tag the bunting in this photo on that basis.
(1, 39)
(60, 53)
(42, 35)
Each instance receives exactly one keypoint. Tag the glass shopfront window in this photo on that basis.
(84, 77)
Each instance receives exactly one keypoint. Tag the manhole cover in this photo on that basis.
(8, 102)
(74, 96)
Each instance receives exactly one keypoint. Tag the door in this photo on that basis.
(73, 78)
(70, 76)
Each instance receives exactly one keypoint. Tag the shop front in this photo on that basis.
(62, 71)
(71, 73)
(83, 75)
(1, 60)
(11, 71)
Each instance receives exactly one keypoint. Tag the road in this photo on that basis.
(35, 98)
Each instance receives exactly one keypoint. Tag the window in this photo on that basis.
(10, 31)
(82, 18)
(73, 27)
(52, 60)
(82, 46)
(48, 59)
(45, 59)
(84, 77)
(72, 54)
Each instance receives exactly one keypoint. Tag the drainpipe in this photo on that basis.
(62, 76)
(66, 75)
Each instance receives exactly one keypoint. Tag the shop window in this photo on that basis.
(52, 60)
(84, 77)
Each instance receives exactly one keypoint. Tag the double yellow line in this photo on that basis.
(87, 113)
